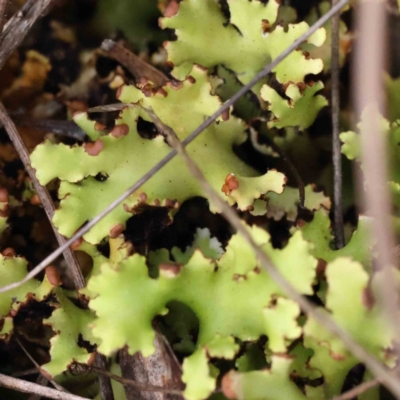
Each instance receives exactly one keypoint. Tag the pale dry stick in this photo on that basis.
(43, 194)
(86, 228)
(360, 389)
(135, 384)
(55, 384)
(369, 63)
(372, 363)
(137, 67)
(42, 381)
(336, 145)
(3, 5)
(29, 387)
(18, 26)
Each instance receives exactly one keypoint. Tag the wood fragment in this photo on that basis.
(3, 6)
(29, 387)
(137, 67)
(160, 369)
(106, 390)
(18, 26)
(43, 194)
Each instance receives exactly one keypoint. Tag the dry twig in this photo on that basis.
(55, 384)
(360, 389)
(336, 145)
(43, 194)
(41, 380)
(18, 26)
(29, 387)
(137, 67)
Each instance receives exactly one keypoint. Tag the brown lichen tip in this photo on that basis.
(175, 84)
(94, 149)
(169, 270)
(119, 91)
(98, 126)
(265, 26)
(225, 115)
(162, 92)
(53, 276)
(75, 245)
(91, 359)
(8, 252)
(172, 9)
(231, 183)
(4, 197)
(143, 197)
(191, 79)
(116, 231)
(227, 385)
(120, 130)
(35, 200)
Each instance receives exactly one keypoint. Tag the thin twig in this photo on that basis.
(54, 383)
(320, 316)
(336, 145)
(104, 380)
(42, 381)
(58, 127)
(18, 26)
(362, 388)
(43, 194)
(29, 387)
(86, 228)
(3, 5)
(137, 67)
(137, 385)
(369, 63)
(26, 372)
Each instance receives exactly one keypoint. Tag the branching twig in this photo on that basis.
(43, 194)
(320, 316)
(29, 387)
(336, 150)
(137, 67)
(86, 228)
(55, 384)
(18, 26)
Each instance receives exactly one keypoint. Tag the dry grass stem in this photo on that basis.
(43, 194)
